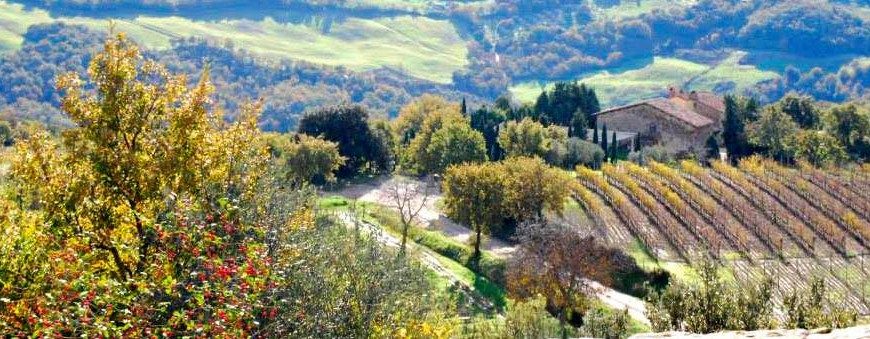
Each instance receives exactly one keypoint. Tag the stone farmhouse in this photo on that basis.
(681, 122)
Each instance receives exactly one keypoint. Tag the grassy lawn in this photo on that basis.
(423, 47)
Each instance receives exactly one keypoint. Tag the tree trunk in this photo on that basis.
(476, 256)
(404, 238)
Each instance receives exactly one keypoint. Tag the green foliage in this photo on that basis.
(850, 124)
(346, 288)
(488, 121)
(6, 137)
(774, 132)
(578, 125)
(454, 144)
(813, 308)
(487, 195)
(523, 138)
(305, 159)
(348, 126)
(819, 148)
(738, 113)
(711, 305)
(154, 216)
(410, 120)
(582, 152)
(523, 319)
(655, 153)
(473, 195)
(802, 110)
(441, 137)
(600, 323)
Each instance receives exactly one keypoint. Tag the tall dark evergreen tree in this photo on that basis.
(487, 122)
(463, 109)
(592, 105)
(613, 148)
(713, 146)
(348, 126)
(595, 133)
(604, 138)
(542, 107)
(578, 125)
(734, 129)
(503, 104)
(562, 103)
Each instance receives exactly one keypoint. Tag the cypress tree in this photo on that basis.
(463, 109)
(542, 107)
(604, 138)
(592, 105)
(636, 143)
(577, 128)
(613, 147)
(733, 133)
(595, 133)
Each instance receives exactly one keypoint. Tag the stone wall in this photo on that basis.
(670, 132)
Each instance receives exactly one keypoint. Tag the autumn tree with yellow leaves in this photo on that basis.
(152, 216)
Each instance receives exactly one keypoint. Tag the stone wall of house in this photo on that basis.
(649, 122)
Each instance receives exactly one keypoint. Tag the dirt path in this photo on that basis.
(432, 218)
(422, 254)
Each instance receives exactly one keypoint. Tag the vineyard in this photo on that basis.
(758, 219)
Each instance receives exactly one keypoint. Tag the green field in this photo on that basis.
(653, 79)
(732, 71)
(634, 8)
(425, 48)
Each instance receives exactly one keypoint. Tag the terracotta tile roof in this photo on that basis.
(669, 107)
(711, 100)
(681, 112)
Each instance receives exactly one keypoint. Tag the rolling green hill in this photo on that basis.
(425, 48)
(654, 78)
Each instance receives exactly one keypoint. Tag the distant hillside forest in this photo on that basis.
(27, 90)
(816, 48)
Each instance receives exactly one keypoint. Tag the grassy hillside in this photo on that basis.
(426, 48)
(654, 78)
(635, 8)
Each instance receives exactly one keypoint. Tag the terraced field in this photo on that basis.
(757, 219)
